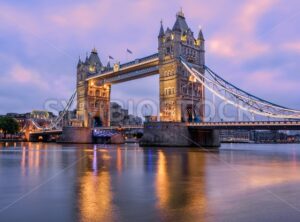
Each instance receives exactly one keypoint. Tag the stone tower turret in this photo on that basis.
(92, 99)
(180, 99)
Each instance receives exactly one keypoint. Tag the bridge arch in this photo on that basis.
(97, 121)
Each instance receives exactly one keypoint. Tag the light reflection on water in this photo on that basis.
(127, 183)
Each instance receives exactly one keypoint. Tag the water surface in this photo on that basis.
(241, 182)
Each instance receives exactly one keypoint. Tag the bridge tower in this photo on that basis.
(181, 98)
(93, 97)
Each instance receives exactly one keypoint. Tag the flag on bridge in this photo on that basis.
(129, 51)
(110, 57)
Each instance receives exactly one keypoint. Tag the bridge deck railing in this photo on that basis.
(120, 127)
(128, 64)
(246, 123)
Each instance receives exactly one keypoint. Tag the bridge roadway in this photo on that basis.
(136, 69)
(250, 125)
(59, 131)
(120, 127)
(257, 125)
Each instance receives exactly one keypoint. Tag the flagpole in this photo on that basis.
(126, 58)
(128, 52)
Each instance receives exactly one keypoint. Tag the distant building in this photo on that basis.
(260, 136)
(21, 118)
(132, 120)
(69, 118)
(151, 119)
(42, 118)
(42, 115)
(117, 114)
(269, 136)
(120, 117)
(235, 136)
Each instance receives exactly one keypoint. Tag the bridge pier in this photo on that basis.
(176, 134)
(205, 137)
(75, 135)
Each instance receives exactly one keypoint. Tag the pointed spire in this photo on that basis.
(200, 35)
(108, 65)
(94, 58)
(94, 50)
(180, 24)
(180, 13)
(79, 62)
(86, 59)
(161, 31)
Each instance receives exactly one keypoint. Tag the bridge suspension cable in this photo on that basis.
(238, 97)
(34, 123)
(63, 113)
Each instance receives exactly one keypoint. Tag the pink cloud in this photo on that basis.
(22, 75)
(47, 33)
(56, 26)
(79, 18)
(250, 13)
(291, 47)
(234, 48)
(271, 81)
(17, 19)
(238, 38)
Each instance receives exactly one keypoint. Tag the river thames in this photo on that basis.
(240, 182)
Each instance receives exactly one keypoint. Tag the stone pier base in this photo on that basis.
(178, 135)
(76, 135)
(205, 138)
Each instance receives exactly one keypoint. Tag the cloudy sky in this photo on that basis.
(255, 44)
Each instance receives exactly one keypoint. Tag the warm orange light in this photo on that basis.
(198, 42)
(92, 68)
(192, 78)
(106, 86)
(94, 196)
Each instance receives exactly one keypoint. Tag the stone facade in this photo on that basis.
(76, 135)
(165, 134)
(93, 98)
(181, 99)
(174, 134)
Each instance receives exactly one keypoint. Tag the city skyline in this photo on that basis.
(41, 44)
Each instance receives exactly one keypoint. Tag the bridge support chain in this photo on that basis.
(176, 134)
(75, 135)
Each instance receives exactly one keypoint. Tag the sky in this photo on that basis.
(254, 44)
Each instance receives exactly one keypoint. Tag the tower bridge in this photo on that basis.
(183, 79)
(176, 102)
